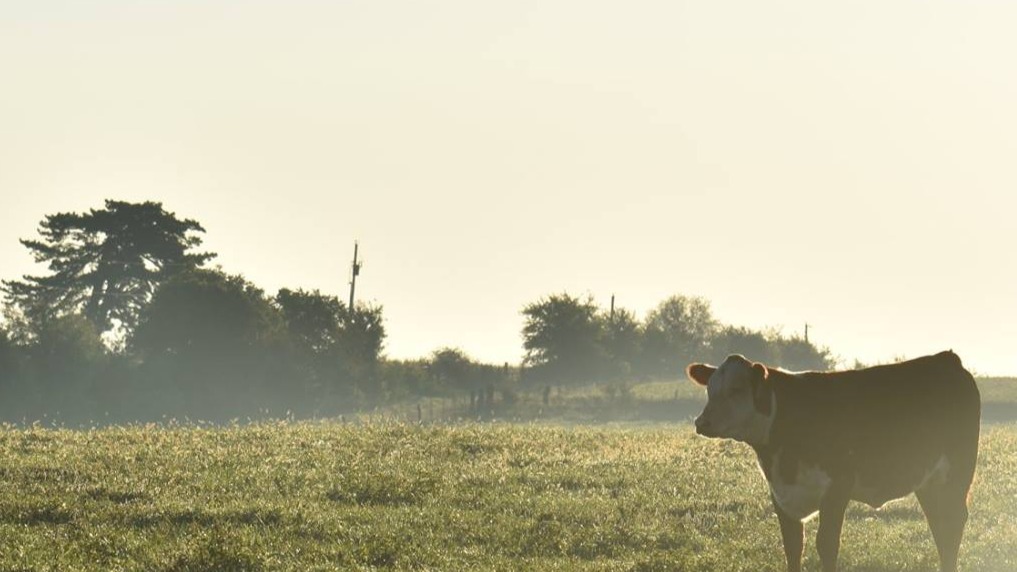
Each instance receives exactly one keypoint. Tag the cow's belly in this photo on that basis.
(876, 492)
(800, 499)
(801, 496)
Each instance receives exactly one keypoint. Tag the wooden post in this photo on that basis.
(355, 273)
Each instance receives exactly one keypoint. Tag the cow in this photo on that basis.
(871, 435)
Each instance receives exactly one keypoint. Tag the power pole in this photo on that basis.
(806, 332)
(612, 308)
(355, 273)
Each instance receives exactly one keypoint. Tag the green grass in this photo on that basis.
(470, 497)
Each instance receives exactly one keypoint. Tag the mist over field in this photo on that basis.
(130, 323)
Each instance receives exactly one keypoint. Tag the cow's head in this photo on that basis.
(740, 400)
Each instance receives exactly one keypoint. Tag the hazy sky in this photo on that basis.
(849, 164)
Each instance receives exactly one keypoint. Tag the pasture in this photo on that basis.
(396, 496)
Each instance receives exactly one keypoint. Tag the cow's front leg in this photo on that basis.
(831, 519)
(793, 533)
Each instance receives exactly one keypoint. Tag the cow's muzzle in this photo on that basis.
(704, 428)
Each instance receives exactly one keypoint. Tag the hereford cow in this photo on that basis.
(870, 435)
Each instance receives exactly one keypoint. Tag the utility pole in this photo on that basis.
(355, 273)
(612, 308)
(806, 332)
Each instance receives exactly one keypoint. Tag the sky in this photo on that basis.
(849, 165)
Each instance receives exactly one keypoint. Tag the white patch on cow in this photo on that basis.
(801, 498)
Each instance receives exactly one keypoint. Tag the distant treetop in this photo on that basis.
(105, 264)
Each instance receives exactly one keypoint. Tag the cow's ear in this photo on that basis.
(700, 372)
(762, 392)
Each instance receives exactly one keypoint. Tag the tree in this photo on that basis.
(10, 361)
(62, 365)
(333, 345)
(67, 344)
(451, 368)
(322, 324)
(562, 336)
(105, 264)
(217, 341)
(362, 333)
(771, 348)
(339, 345)
(623, 336)
(678, 330)
(312, 324)
(797, 354)
(752, 344)
(312, 319)
(206, 312)
(360, 343)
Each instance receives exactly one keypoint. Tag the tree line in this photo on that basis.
(130, 322)
(569, 338)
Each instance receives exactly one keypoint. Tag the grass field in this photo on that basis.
(328, 496)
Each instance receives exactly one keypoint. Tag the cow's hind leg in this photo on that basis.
(945, 507)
